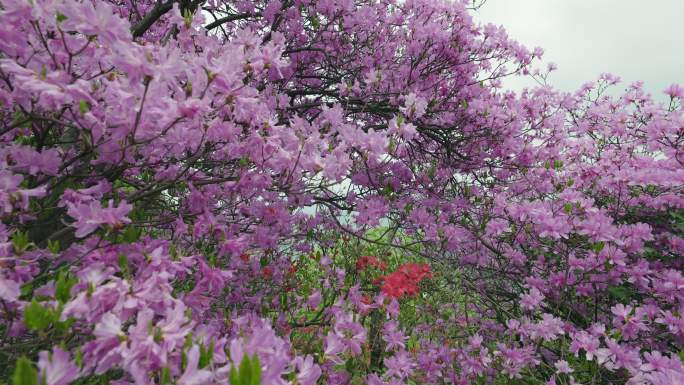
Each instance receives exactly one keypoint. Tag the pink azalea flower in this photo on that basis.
(193, 375)
(562, 366)
(675, 91)
(92, 215)
(56, 367)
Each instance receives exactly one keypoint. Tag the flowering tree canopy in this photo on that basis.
(325, 192)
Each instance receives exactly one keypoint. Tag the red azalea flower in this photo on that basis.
(404, 281)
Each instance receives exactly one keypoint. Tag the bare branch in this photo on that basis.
(151, 17)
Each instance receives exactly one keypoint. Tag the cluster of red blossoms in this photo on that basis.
(405, 280)
(368, 261)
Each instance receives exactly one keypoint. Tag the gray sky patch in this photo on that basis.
(633, 39)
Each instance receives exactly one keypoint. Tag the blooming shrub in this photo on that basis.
(199, 192)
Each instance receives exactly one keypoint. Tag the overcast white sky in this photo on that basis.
(634, 39)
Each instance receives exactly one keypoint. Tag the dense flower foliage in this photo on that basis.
(199, 192)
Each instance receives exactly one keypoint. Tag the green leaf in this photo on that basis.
(187, 18)
(349, 365)
(157, 335)
(165, 377)
(83, 107)
(78, 358)
(392, 144)
(256, 370)
(122, 261)
(245, 371)
(412, 343)
(60, 326)
(567, 208)
(131, 234)
(53, 246)
(212, 260)
(36, 316)
(173, 252)
(249, 372)
(206, 355)
(27, 290)
(24, 373)
(558, 164)
(315, 23)
(598, 246)
(400, 119)
(60, 18)
(184, 360)
(90, 289)
(233, 376)
(20, 241)
(620, 293)
(188, 341)
(63, 286)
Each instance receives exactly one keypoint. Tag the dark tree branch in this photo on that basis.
(276, 23)
(151, 17)
(228, 19)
